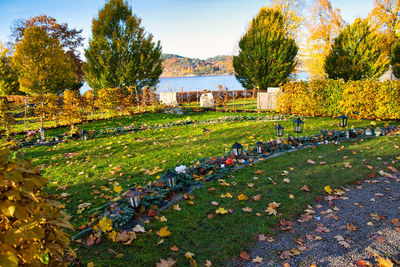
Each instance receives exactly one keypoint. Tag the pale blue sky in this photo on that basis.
(193, 28)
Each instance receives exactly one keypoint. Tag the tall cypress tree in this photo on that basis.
(358, 53)
(121, 54)
(267, 52)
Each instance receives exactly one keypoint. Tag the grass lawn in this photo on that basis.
(86, 169)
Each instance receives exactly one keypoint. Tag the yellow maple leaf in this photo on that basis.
(164, 232)
(242, 197)
(382, 262)
(228, 195)
(118, 188)
(271, 210)
(328, 189)
(189, 255)
(221, 211)
(105, 224)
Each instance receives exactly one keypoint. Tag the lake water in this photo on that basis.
(199, 83)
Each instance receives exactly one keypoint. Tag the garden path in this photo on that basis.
(351, 229)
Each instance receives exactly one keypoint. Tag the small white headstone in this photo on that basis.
(168, 98)
(207, 100)
(42, 136)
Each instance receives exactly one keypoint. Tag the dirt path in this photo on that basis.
(343, 230)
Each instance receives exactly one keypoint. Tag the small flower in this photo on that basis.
(180, 169)
(229, 161)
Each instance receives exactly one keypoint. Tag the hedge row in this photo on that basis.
(358, 99)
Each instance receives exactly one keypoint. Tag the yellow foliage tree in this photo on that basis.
(324, 26)
(89, 102)
(32, 226)
(107, 100)
(386, 18)
(47, 107)
(72, 108)
(6, 117)
(291, 11)
(42, 65)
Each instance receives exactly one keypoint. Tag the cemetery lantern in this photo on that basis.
(298, 125)
(259, 147)
(84, 135)
(237, 149)
(279, 130)
(134, 197)
(169, 179)
(342, 121)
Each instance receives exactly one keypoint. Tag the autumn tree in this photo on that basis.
(47, 107)
(121, 53)
(72, 106)
(267, 53)
(323, 26)
(357, 54)
(89, 101)
(6, 117)
(291, 11)
(396, 59)
(42, 65)
(8, 76)
(386, 18)
(70, 39)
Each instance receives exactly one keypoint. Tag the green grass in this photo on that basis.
(104, 161)
(224, 236)
(137, 119)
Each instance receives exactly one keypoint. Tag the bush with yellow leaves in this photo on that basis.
(359, 99)
(31, 228)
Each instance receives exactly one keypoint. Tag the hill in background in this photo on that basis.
(177, 66)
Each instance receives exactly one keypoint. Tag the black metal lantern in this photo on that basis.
(134, 197)
(259, 147)
(298, 125)
(84, 135)
(237, 149)
(342, 121)
(169, 178)
(279, 130)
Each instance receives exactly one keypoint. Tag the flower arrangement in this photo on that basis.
(31, 135)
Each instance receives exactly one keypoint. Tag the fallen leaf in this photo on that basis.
(177, 208)
(214, 203)
(221, 211)
(328, 189)
(286, 180)
(291, 196)
(164, 232)
(382, 262)
(166, 263)
(244, 256)
(395, 222)
(242, 197)
(138, 229)
(351, 227)
(247, 209)
(189, 255)
(174, 248)
(257, 260)
(257, 198)
(305, 188)
(309, 161)
(208, 263)
(259, 172)
(271, 210)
